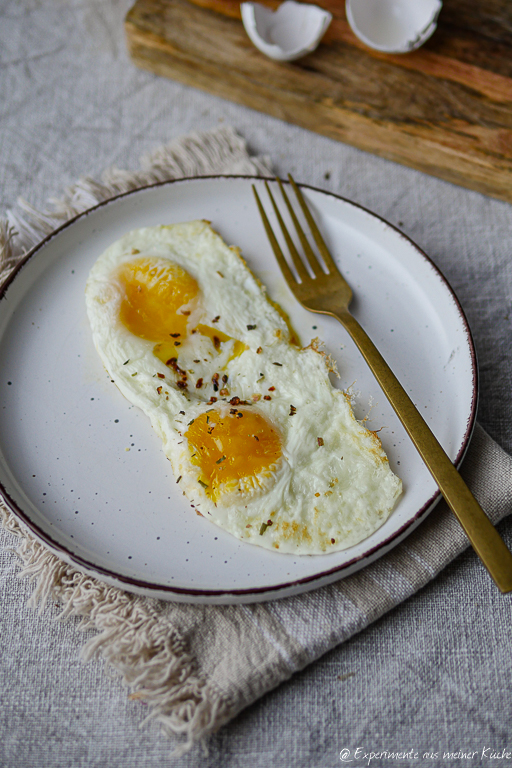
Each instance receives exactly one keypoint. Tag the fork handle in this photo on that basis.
(482, 534)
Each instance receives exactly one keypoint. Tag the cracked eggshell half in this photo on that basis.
(393, 26)
(292, 31)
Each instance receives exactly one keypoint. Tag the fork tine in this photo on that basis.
(311, 258)
(294, 254)
(322, 247)
(285, 269)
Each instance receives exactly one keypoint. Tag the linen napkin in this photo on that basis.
(197, 667)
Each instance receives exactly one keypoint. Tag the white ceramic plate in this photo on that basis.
(117, 514)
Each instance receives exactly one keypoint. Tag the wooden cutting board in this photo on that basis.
(445, 109)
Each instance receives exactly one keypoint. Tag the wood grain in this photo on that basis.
(445, 109)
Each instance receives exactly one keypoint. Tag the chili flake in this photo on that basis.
(320, 440)
(173, 363)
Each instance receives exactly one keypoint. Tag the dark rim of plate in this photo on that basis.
(322, 577)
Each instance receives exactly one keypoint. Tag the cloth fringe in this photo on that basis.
(8, 255)
(220, 151)
(143, 648)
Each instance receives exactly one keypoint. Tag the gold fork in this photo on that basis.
(328, 293)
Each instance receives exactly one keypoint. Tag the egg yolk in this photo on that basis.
(233, 447)
(154, 293)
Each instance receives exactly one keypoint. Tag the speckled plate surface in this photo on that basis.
(81, 467)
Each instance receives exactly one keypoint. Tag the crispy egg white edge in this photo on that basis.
(328, 407)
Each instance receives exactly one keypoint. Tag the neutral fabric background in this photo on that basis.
(436, 673)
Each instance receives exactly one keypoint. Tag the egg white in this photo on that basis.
(332, 486)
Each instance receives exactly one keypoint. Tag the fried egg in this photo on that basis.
(260, 441)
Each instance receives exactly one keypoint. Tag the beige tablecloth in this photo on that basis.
(434, 673)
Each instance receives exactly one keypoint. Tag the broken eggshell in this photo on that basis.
(393, 26)
(288, 33)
